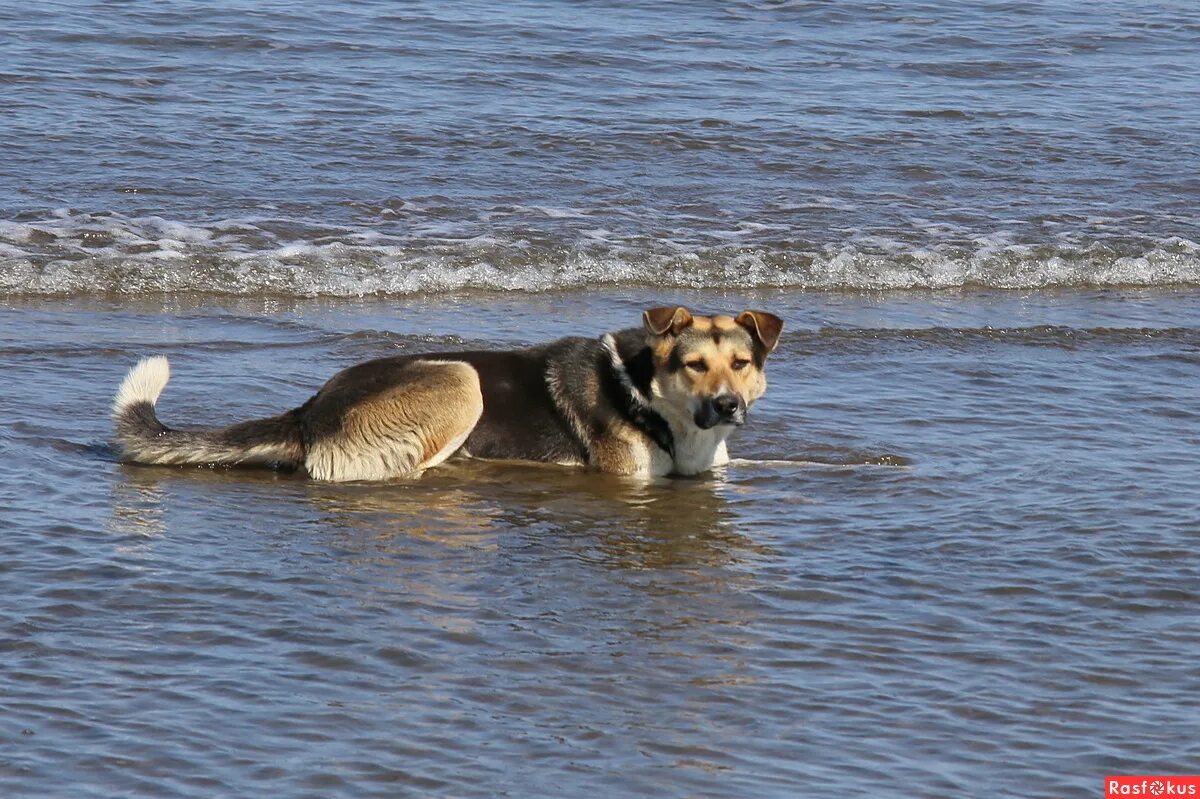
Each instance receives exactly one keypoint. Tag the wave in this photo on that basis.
(108, 253)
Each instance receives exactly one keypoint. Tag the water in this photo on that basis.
(359, 148)
(954, 554)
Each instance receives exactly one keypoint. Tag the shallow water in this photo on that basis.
(955, 557)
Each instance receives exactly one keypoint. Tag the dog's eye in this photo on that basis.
(697, 366)
(740, 363)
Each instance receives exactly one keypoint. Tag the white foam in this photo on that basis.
(554, 213)
(15, 232)
(70, 254)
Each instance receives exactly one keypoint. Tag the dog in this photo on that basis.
(649, 401)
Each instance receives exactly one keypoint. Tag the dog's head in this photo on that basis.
(710, 368)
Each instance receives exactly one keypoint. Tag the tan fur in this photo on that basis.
(719, 343)
(624, 450)
(403, 430)
(719, 359)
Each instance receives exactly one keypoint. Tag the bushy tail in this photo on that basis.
(144, 439)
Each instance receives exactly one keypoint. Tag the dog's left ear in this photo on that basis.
(661, 321)
(765, 327)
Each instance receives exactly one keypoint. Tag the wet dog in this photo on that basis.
(649, 401)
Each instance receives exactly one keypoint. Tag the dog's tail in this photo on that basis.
(144, 439)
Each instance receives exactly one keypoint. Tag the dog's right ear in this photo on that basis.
(661, 321)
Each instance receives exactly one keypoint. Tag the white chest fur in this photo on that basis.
(698, 450)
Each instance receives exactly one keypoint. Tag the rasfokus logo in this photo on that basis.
(1151, 786)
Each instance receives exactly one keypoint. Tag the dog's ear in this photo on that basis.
(661, 321)
(765, 327)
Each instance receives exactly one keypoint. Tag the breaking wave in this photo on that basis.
(108, 253)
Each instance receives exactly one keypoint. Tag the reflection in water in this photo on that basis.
(464, 539)
(625, 522)
(617, 522)
(474, 543)
(137, 506)
(630, 523)
(447, 516)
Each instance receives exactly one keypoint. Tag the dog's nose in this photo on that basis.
(726, 405)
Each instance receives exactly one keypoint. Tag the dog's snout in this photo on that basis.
(721, 409)
(726, 405)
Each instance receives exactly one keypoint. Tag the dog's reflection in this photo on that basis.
(563, 542)
(615, 521)
(622, 522)
(476, 544)
(138, 506)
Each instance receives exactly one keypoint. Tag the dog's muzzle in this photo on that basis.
(721, 409)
